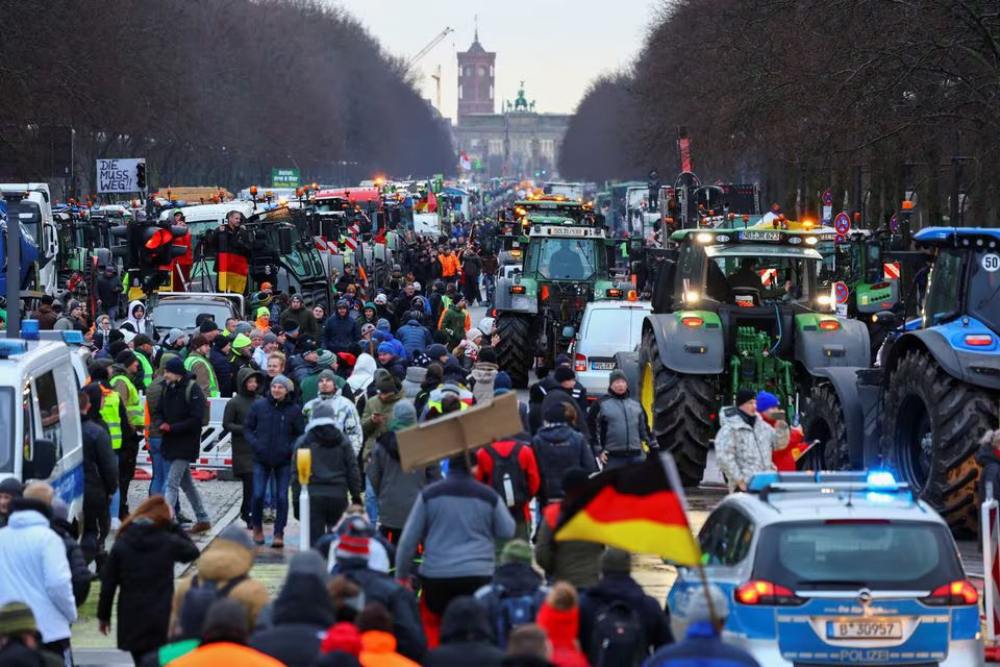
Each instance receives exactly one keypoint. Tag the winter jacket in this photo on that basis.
(510, 580)
(308, 325)
(233, 420)
(395, 365)
(306, 378)
(557, 449)
(225, 653)
(562, 628)
(485, 460)
(34, 569)
(108, 290)
(743, 449)
(340, 333)
(792, 444)
(415, 376)
(467, 638)
(141, 565)
(618, 425)
(396, 490)
(271, 429)
(334, 465)
(345, 417)
(454, 323)
(203, 372)
(472, 266)
(377, 405)
(481, 380)
(363, 374)
(79, 571)
(139, 324)
(621, 587)
(574, 561)
(378, 649)
(415, 338)
(538, 393)
(458, 520)
(100, 465)
(223, 369)
(449, 265)
(703, 647)
(302, 612)
(46, 317)
(401, 603)
(182, 406)
(221, 561)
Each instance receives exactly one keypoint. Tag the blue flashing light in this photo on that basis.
(29, 329)
(72, 337)
(761, 480)
(881, 479)
(12, 346)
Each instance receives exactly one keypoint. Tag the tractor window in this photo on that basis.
(944, 288)
(567, 259)
(754, 280)
(984, 289)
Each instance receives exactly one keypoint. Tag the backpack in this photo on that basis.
(515, 610)
(618, 637)
(508, 478)
(201, 595)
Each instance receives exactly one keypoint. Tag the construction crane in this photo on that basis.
(437, 73)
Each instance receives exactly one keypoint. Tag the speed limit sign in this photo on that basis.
(991, 262)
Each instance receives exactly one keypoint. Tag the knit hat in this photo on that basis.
(270, 337)
(382, 324)
(342, 637)
(354, 541)
(283, 380)
(744, 395)
(765, 401)
(516, 551)
(141, 339)
(698, 609)
(502, 380)
(385, 384)
(11, 487)
(243, 328)
(616, 561)
(125, 358)
(295, 297)
(238, 536)
(617, 374)
(436, 351)
(385, 348)
(308, 562)
(403, 415)
(488, 355)
(174, 365)
(325, 358)
(221, 343)
(419, 358)
(554, 413)
(327, 374)
(381, 299)
(241, 341)
(175, 335)
(563, 374)
(263, 312)
(16, 618)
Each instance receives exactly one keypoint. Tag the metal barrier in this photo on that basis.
(216, 445)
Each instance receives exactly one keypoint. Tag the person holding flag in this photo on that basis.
(233, 244)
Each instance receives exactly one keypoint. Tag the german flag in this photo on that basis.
(231, 264)
(635, 508)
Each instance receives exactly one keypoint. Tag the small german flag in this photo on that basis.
(635, 508)
(232, 270)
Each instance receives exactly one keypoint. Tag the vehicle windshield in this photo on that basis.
(984, 289)
(750, 280)
(7, 432)
(332, 206)
(182, 315)
(605, 325)
(567, 259)
(944, 287)
(898, 555)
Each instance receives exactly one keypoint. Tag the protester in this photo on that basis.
(197, 363)
(483, 375)
(618, 425)
(222, 367)
(137, 318)
(141, 565)
(789, 443)
(100, 473)
(516, 593)
(559, 616)
(341, 330)
(67, 532)
(744, 443)
(558, 448)
(529, 646)
(233, 420)
(345, 418)
(378, 644)
(414, 337)
(10, 489)
(20, 644)
(466, 637)
(375, 422)
(573, 561)
(122, 376)
(224, 640)
(455, 321)
(510, 468)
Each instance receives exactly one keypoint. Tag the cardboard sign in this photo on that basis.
(432, 441)
(118, 175)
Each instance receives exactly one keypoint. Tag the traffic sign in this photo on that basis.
(841, 291)
(284, 178)
(827, 197)
(842, 223)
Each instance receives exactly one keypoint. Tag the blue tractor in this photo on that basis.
(936, 390)
(29, 252)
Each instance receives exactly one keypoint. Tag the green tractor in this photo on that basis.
(538, 309)
(734, 309)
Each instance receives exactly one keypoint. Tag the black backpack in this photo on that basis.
(618, 638)
(508, 478)
(201, 595)
(514, 610)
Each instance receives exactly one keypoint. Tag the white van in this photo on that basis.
(40, 433)
(43, 229)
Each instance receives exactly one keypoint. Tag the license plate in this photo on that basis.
(864, 629)
(602, 365)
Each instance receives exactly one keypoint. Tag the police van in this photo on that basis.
(837, 568)
(40, 433)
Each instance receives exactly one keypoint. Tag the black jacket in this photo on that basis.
(334, 466)
(400, 602)
(100, 466)
(79, 573)
(302, 613)
(542, 390)
(466, 638)
(181, 405)
(234, 417)
(612, 587)
(223, 372)
(141, 563)
(557, 449)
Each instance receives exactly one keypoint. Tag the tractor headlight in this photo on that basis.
(691, 296)
(811, 240)
(824, 300)
(704, 237)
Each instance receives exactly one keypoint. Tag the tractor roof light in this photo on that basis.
(691, 296)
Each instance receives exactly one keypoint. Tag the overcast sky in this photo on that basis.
(556, 46)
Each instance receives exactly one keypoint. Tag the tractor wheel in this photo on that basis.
(824, 421)
(680, 409)
(932, 423)
(514, 351)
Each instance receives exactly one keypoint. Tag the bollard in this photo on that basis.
(303, 461)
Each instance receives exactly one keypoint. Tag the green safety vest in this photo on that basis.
(109, 413)
(147, 369)
(213, 385)
(133, 407)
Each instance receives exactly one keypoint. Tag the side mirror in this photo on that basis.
(43, 458)
(886, 318)
(284, 240)
(568, 331)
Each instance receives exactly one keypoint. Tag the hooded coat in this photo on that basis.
(234, 418)
(141, 563)
(557, 449)
(140, 324)
(396, 490)
(362, 375)
(100, 465)
(562, 628)
(181, 405)
(335, 470)
(466, 638)
(415, 376)
(301, 614)
(414, 337)
(271, 428)
(481, 378)
(742, 449)
(619, 586)
(340, 333)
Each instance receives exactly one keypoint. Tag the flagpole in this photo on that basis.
(670, 467)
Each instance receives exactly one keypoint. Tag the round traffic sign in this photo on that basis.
(827, 198)
(842, 223)
(841, 291)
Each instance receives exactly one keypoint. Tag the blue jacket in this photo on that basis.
(558, 448)
(340, 333)
(386, 337)
(271, 430)
(701, 648)
(414, 337)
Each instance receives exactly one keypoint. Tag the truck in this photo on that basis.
(38, 221)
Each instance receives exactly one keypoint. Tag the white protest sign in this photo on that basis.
(118, 174)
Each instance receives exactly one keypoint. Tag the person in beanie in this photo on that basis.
(272, 427)
(745, 443)
(248, 381)
(19, 639)
(618, 425)
(218, 356)
(703, 643)
(140, 568)
(789, 443)
(559, 616)
(334, 475)
(617, 585)
(341, 331)
(144, 350)
(495, 459)
(573, 561)
(467, 637)
(516, 593)
(558, 447)
(394, 489)
(346, 416)
(375, 422)
(10, 489)
(483, 375)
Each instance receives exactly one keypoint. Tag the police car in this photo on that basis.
(842, 568)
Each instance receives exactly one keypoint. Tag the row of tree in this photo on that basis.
(212, 92)
(802, 95)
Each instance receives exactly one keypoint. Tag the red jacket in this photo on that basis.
(526, 459)
(562, 627)
(785, 459)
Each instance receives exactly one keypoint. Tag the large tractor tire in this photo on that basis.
(824, 421)
(932, 423)
(680, 409)
(514, 352)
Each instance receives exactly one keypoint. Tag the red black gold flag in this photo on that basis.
(231, 265)
(636, 508)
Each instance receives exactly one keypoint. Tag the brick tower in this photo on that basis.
(475, 80)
